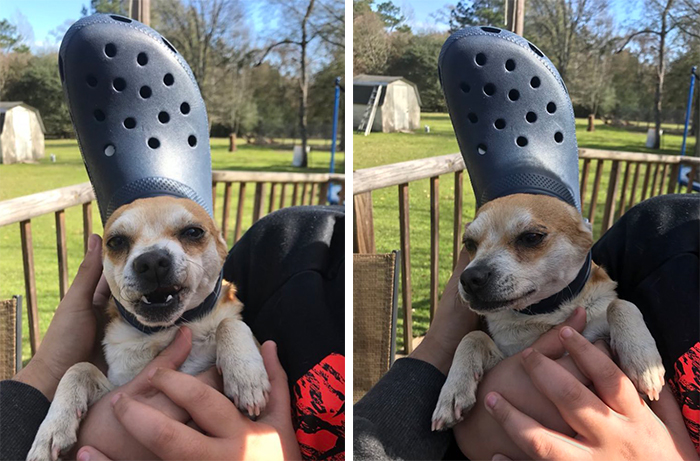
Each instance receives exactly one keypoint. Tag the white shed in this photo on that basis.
(399, 103)
(21, 133)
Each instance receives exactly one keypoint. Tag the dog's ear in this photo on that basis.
(587, 225)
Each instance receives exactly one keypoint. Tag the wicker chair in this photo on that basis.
(10, 337)
(375, 291)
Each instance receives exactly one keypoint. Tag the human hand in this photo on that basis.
(453, 320)
(103, 431)
(479, 436)
(615, 424)
(73, 335)
(230, 434)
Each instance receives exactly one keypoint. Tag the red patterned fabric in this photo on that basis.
(319, 401)
(685, 385)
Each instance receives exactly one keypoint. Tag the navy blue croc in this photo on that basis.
(511, 114)
(139, 116)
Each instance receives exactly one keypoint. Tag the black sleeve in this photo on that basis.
(652, 254)
(22, 409)
(392, 421)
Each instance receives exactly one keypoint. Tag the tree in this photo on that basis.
(9, 36)
(307, 22)
(371, 44)
(107, 6)
(390, 14)
(476, 13)
(661, 25)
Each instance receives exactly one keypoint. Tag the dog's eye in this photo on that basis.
(470, 245)
(117, 243)
(193, 232)
(531, 239)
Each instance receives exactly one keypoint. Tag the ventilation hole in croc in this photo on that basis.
(510, 65)
(559, 137)
(464, 87)
(514, 95)
(163, 117)
(551, 108)
(99, 115)
(481, 59)
(91, 80)
(481, 149)
(192, 140)
(493, 30)
(111, 50)
(153, 143)
(536, 50)
(142, 59)
(535, 82)
(120, 18)
(168, 44)
(60, 67)
(473, 117)
(145, 92)
(521, 141)
(185, 108)
(119, 84)
(130, 123)
(489, 89)
(168, 79)
(109, 150)
(531, 117)
(499, 124)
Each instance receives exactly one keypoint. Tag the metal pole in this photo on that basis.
(335, 123)
(690, 105)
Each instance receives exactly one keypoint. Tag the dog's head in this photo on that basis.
(162, 257)
(524, 248)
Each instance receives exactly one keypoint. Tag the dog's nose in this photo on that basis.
(153, 266)
(474, 278)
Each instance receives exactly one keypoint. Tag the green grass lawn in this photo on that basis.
(23, 179)
(386, 148)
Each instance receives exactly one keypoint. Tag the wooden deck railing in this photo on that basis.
(660, 175)
(294, 189)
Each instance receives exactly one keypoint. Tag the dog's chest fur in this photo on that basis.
(512, 331)
(128, 350)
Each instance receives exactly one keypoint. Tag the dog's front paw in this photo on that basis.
(457, 397)
(643, 366)
(645, 370)
(246, 383)
(57, 433)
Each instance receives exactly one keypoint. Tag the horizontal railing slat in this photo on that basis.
(379, 177)
(31, 206)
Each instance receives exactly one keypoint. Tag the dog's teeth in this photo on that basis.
(145, 300)
(168, 298)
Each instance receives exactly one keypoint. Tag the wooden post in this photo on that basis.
(232, 142)
(283, 193)
(434, 243)
(239, 212)
(405, 269)
(363, 221)
(635, 181)
(459, 207)
(25, 228)
(596, 188)
(584, 180)
(623, 196)
(591, 123)
(273, 191)
(87, 224)
(515, 16)
(613, 185)
(141, 11)
(258, 203)
(673, 179)
(62, 250)
(227, 206)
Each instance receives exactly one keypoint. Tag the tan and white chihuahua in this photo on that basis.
(524, 249)
(162, 257)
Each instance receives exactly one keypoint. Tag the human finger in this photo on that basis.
(82, 290)
(211, 410)
(102, 293)
(277, 409)
(166, 438)
(549, 344)
(533, 438)
(212, 378)
(91, 454)
(568, 363)
(611, 384)
(579, 407)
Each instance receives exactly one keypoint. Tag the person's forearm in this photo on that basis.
(39, 376)
(22, 409)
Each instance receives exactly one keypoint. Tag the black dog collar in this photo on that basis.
(189, 316)
(571, 291)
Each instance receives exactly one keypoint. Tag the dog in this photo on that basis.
(162, 256)
(525, 248)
